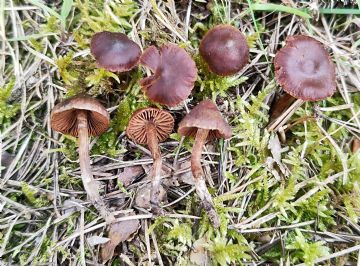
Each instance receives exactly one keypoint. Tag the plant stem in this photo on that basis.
(90, 184)
(199, 179)
(154, 148)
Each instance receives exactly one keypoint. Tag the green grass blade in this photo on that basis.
(31, 36)
(45, 8)
(280, 8)
(340, 11)
(65, 10)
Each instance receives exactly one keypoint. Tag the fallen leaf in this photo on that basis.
(97, 240)
(142, 198)
(118, 232)
(198, 255)
(184, 174)
(355, 145)
(6, 159)
(129, 174)
(275, 148)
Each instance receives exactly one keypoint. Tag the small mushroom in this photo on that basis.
(174, 74)
(80, 117)
(150, 126)
(225, 50)
(114, 51)
(205, 123)
(304, 69)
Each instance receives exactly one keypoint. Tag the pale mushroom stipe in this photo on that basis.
(205, 123)
(150, 126)
(81, 117)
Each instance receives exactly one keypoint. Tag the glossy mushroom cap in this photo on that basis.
(225, 50)
(206, 116)
(303, 68)
(114, 51)
(163, 121)
(174, 74)
(64, 116)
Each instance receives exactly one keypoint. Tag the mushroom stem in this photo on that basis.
(153, 145)
(90, 185)
(199, 180)
(280, 104)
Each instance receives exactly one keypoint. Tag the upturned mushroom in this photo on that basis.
(81, 117)
(174, 74)
(225, 50)
(205, 123)
(114, 51)
(304, 69)
(151, 126)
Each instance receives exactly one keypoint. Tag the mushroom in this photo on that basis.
(80, 117)
(114, 51)
(150, 126)
(304, 69)
(205, 123)
(225, 50)
(174, 74)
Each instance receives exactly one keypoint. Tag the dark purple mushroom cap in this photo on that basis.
(225, 50)
(206, 116)
(304, 69)
(64, 116)
(174, 74)
(114, 51)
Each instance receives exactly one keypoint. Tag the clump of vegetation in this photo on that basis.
(7, 111)
(277, 194)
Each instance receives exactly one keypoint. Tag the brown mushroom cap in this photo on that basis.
(163, 121)
(225, 50)
(114, 51)
(174, 74)
(206, 116)
(303, 68)
(64, 116)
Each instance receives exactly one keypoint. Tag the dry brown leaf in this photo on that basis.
(185, 175)
(198, 255)
(129, 174)
(118, 232)
(142, 198)
(355, 145)
(6, 159)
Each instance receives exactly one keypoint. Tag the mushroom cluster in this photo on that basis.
(303, 69)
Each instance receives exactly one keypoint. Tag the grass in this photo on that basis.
(290, 197)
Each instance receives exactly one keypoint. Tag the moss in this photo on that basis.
(33, 196)
(7, 111)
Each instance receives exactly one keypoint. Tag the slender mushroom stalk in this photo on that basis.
(80, 117)
(151, 126)
(199, 176)
(205, 123)
(90, 184)
(153, 145)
